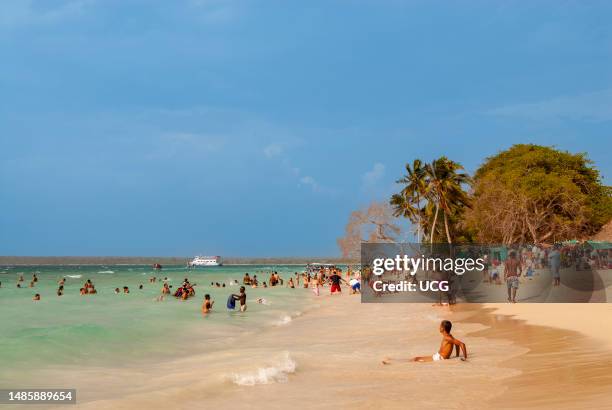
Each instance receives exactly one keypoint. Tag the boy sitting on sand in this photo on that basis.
(446, 347)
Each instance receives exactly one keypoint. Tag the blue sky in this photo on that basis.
(254, 128)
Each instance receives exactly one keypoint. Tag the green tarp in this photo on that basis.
(600, 244)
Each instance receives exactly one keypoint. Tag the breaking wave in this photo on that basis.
(267, 375)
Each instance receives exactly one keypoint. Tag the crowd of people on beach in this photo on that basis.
(509, 265)
(556, 257)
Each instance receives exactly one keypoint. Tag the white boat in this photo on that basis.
(206, 261)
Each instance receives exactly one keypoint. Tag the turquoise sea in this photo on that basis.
(117, 330)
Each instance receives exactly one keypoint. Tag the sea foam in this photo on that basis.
(267, 375)
(106, 271)
(284, 320)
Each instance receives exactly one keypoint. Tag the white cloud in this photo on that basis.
(594, 106)
(273, 150)
(372, 177)
(310, 181)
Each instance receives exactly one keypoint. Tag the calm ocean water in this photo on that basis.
(123, 330)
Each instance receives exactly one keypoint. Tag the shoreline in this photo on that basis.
(329, 350)
(334, 347)
(561, 369)
(174, 262)
(589, 319)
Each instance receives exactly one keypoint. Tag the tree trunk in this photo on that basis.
(448, 237)
(433, 227)
(419, 226)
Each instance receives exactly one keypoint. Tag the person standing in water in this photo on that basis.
(242, 298)
(335, 280)
(246, 280)
(208, 304)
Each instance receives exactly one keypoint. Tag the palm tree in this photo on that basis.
(445, 189)
(440, 185)
(408, 202)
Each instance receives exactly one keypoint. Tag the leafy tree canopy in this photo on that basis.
(532, 193)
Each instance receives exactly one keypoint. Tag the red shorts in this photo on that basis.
(335, 288)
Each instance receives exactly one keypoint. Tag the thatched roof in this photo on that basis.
(605, 234)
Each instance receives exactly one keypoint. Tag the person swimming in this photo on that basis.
(126, 289)
(36, 297)
(117, 291)
(446, 347)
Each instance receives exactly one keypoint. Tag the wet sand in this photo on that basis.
(562, 369)
(330, 357)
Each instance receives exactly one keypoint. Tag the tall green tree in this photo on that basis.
(445, 190)
(428, 189)
(536, 194)
(407, 203)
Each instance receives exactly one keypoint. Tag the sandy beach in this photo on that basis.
(590, 319)
(330, 357)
